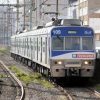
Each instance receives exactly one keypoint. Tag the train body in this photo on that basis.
(58, 51)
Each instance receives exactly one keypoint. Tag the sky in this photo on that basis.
(5, 1)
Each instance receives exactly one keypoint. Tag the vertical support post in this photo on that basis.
(24, 16)
(31, 2)
(36, 12)
(17, 15)
(56, 9)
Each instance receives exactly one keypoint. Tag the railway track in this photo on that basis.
(83, 94)
(10, 87)
(72, 93)
(77, 93)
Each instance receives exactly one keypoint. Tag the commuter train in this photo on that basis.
(57, 51)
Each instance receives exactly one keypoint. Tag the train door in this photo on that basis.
(39, 49)
(35, 48)
(48, 50)
(21, 41)
(17, 45)
(29, 47)
(44, 50)
(24, 46)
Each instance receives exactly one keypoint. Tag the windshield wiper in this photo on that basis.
(59, 38)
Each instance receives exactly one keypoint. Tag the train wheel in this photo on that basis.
(38, 69)
(41, 69)
(33, 66)
(45, 72)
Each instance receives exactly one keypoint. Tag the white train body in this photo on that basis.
(49, 50)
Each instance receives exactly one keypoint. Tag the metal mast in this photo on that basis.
(56, 9)
(31, 8)
(24, 16)
(17, 15)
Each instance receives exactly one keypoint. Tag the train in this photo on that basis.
(64, 48)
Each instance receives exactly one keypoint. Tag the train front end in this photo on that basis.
(72, 52)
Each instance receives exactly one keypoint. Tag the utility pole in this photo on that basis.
(24, 16)
(31, 8)
(56, 9)
(7, 25)
(36, 13)
(17, 15)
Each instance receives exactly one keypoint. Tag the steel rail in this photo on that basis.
(95, 92)
(62, 89)
(16, 79)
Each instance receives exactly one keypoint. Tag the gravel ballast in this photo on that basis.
(33, 91)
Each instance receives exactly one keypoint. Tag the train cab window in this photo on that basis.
(87, 43)
(72, 43)
(57, 43)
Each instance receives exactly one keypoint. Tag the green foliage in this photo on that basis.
(33, 77)
(2, 76)
(98, 87)
(3, 50)
(47, 84)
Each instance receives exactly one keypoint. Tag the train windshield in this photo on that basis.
(87, 43)
(72, 43)
(58, 43)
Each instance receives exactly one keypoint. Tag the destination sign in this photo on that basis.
(83, 55)
(72, 32)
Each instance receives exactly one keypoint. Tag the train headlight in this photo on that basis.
(59, 62)
(86, 62)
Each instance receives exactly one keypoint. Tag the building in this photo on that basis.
(7, 26)
(89, 13)
(72, 9)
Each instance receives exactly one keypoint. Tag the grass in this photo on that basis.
(3, 76)
(29, 78)
(98, 87)
(3, 50)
